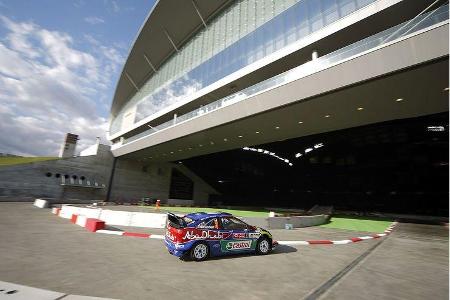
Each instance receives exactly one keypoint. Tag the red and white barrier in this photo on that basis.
(94, 224)
(81, 220)
(115, 217)
(120, 217)
(41, 203)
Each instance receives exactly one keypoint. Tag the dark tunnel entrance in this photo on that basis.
(398, 166)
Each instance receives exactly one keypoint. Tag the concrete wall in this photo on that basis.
(133, 180)
(28, 181)
(297, 221)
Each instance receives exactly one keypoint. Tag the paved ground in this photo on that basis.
(41, 250)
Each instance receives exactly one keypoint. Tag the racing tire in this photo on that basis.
(263, 246)
(199, 252)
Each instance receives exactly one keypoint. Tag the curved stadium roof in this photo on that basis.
(169, 21)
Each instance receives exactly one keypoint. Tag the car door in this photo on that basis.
(211, 228)
(238, 239)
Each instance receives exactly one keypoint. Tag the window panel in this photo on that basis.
(346, 7)
(330, 11)
(247, 31)
(362, 3)
(315, 15)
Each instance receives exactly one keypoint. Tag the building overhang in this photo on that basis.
(365, 22)
(414, 69)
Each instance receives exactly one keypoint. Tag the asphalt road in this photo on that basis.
(41, 250)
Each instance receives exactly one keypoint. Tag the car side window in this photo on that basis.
(209, 224)
(233, 224)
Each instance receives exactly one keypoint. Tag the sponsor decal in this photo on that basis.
(254, 235)
(237, 245)
(170, 236)
(239, 235)
(205, 234)
(205, 226)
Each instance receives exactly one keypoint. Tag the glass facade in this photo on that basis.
(244, 33)
(426, 20)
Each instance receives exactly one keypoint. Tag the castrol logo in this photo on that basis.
(238, 245)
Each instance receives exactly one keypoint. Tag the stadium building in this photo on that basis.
(292, 102)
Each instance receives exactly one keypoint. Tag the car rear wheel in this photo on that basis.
(200, 251)
(263, 245)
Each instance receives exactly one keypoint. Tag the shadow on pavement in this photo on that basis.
(280, 249)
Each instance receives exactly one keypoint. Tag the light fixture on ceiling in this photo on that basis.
(179, 150)
(171, 152)
(360, 108)
(300, 122)
(277, 127)
(239, 136)
(225, 140)
(257, 132)
(446, 89)
(399, 100)
(327, 116)
(200, 145)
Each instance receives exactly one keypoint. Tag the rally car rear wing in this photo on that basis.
(175, 221)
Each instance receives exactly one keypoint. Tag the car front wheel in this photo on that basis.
(263, 246)
(200, 251)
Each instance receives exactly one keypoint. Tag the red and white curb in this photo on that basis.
(341, 242)
(132, 234)
(95, 225)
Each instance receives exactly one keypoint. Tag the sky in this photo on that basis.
(59, 63)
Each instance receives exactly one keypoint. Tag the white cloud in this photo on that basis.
(112, 5)
(78, 3)
(115, 6)
(94, 20)
(48, 87)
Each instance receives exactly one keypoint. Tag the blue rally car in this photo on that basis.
(200, 235)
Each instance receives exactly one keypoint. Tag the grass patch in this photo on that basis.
(11, 161)
(358, 224)
(239, 213)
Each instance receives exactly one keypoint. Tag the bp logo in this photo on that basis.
(230, 246)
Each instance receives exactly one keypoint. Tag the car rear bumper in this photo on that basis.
(173, 249)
